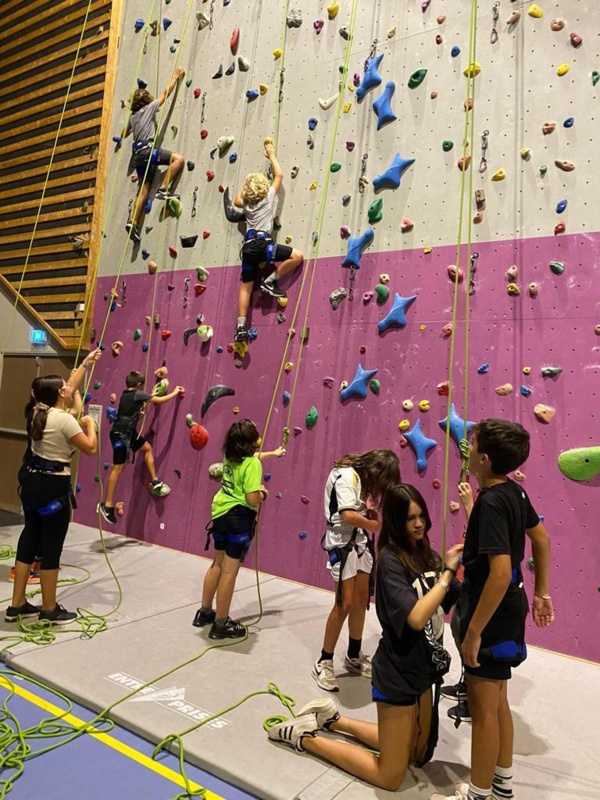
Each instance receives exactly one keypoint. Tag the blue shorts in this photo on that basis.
(156, 156)
(406, 700)
(260, 249)
(235, 545)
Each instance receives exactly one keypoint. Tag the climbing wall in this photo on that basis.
(534, 306)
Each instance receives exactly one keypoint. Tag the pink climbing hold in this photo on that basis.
(425, 5)
(305, 499)
(350, 146)
(453, 270)
(344, 232)
(205, 234)
(407, 225)
(318, 25)
(443, 388)
(173, 252)
(447, 329)
(164, 335)
(234, 41)
(199, 288)
(576, 39)
(210, 175)
(463, 162)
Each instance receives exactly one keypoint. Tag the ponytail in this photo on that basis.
(45, 393)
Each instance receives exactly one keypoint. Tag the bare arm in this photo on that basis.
(465, 494)
(271, 454)
(425, 608)
(542, 609)
(179, 72)
(78, 375)
(158, 401)
(87, 441)
(237, 200)
(359, 521)
(257, 497)
(277, 171)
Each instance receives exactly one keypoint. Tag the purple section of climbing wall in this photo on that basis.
(556, 328)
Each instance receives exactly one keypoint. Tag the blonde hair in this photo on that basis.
(254, 188)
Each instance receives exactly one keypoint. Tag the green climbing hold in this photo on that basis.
(161, 388)
(97, 384)
(188, 82)
(137, 334)
(417, 78)
(557, 267)
(531, 564)
(374, 385)
(312, 417)
(543, 170)
(447, 145)
(551, 372)
(173, 48)
(580, 464)
(595, 77)
(382, 293)
(174, 206)
(375, 213)
(335, 167)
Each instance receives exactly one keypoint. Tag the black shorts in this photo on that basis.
(123, 444)
(156, 156)
(234, 531)
(400, 700)
(257, 251)
(490, 670)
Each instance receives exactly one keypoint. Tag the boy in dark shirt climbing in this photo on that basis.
(124, 439)
(493, 604)
(146, 156)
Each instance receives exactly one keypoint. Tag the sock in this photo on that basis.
(241, 322)
(478, 794)
(205, 609)
(325, 656)
(272, 278)
(502, 784)
(354, 646)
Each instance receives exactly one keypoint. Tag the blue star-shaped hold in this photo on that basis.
(371, 78)
(455, 425)
(397, 313)
(390, 179)
(420, 444)
(356, 247)
(359, 383)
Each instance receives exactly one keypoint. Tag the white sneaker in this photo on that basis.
(324, 709)
(292, 731)
(324, 675)
(461, 792)
(360, 666)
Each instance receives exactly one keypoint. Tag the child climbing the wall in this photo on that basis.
(355, 480)
(257, 197)
(125, 439)
(146, 156)
(233, 517)
(493, 604)
(413, 592)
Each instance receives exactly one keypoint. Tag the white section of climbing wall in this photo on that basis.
(517, 91)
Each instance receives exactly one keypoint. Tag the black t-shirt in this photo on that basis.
(128, 414)
(497, 525)
(407, 662)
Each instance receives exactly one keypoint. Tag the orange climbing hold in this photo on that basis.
(234, 41)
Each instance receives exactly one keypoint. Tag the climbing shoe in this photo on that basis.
(159, 489)
(203, 618)
(58, 616)
(107, 512)
(166, 194)
(25, 612)
(133, 233)
(241, 334)
(228, 630)
(272, 289)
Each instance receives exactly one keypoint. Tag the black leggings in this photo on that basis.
(43, 535)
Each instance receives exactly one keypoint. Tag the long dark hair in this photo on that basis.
(46, 392)
(241, 441)
(378, 470)
(417, 557)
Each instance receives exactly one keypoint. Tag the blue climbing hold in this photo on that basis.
(483, 369)
(303, 534)
(111, 414)
(382, 106)
(252, 334)
(561, 206)
(267, 477)
(525, 390)
(356, 247)
(88, 397)
(145, 347)
(141, 84)
(113, 305)
(167, 23)
(312, 123)
(145, 254)
(138, 25)
(419, 444)
(371, 78)
(397, 313)
(569, 122)
(455, 51)
(77, 488)
(252, 94)
(232, 158)
(219, 349)
(106, 465)
(285, 398)
(358, 387)
(390, 179)
(455, 425)
(118, 140)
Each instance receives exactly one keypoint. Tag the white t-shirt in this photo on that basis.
(346, 484)
(260, 216)
(54, 444)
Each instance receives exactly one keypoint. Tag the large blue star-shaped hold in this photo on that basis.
(371, 78)
(390, 179)
(397, 313)
(359, 383)
(420, 444)
(455, 425)
(356, 247)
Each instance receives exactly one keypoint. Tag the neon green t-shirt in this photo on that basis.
(239, 479)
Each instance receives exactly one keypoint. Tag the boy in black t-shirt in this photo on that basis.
(124, 439)
(493, 604)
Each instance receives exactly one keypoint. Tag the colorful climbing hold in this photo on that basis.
(358, 385)
(391, 178)
(544, 413)
(551, 372)
(397, 314)
(535, 11)
(562, 69)
(382, 106)
(312, 417)
(561, 206)
(560, 228)
(525, 390)
(447, 145)
(375, 213)
(472, 70)
(214, 393)
(417, 78)
(581, 463)
(371, 78)
(356, 247)
(382, 293)
(557, 267)
(499, 175)
(420, 445)
(336, 297)
(455, 51)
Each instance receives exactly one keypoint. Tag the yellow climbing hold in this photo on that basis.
(472, 70)
(240, 348)
(422, 327)
(404, 424)
(282, 302)
(424, 405)
(268, 140)
(277, 53)
(513, 289)
(427, 250)
(562, 69)
(347, 107)
(263, 88)
(535, 11)
(525, 152)
(313, 186)
(333, 10)
(288, 239)
(289, 366)
(351, 87)
(499, 175)
(526, 370)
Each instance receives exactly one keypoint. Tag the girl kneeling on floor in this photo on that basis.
(412, 595)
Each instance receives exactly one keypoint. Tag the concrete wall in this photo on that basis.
(517, 91)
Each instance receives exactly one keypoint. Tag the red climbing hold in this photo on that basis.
(576, 39)
(198, 436)
(221, 188)
(164, 335)
(210, 175)
(560, 228)
(234, 41)
(199, 288)
(203, 133)
(197, 93)
(173, 251)
(205, 234)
